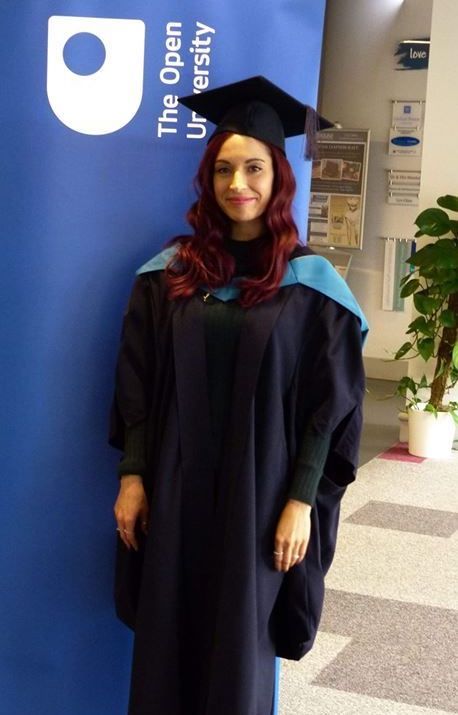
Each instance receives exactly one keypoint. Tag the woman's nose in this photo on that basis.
(238, 181)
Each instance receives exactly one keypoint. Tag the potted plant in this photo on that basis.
(433, 334)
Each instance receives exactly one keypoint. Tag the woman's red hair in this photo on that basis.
(202, 260)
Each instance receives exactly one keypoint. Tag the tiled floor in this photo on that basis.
(387, 641)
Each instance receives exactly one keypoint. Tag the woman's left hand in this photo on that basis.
(292, 535)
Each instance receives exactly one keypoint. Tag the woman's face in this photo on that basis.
(242, 182)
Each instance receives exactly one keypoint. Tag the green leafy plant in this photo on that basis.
(433, 283)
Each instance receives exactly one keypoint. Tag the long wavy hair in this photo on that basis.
(201, 258)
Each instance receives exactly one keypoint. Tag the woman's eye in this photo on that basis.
(253, 168)
(221, 170)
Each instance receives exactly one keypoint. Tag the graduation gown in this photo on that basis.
(208, 608)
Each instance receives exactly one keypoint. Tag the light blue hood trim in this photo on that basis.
(313, 271)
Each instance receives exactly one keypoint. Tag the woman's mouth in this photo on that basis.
(239, 200)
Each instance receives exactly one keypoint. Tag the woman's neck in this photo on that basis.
(247, 231)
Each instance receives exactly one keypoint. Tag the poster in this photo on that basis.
(339, 174)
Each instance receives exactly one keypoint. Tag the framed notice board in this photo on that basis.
(337, 196)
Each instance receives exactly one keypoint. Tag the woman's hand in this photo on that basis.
(292, 535)
(131, 505)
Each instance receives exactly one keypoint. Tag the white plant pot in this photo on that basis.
(430, 435)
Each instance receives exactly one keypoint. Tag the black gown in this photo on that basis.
(208, 608)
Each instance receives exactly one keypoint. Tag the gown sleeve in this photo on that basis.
(330, 394)
(135, 365)
(337, 390)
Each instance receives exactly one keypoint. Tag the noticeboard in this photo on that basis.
(339, 174)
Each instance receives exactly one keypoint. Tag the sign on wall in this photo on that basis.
(413, 54)
(406, 132)
(403, 187)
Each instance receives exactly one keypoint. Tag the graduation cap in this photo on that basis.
(258, 108)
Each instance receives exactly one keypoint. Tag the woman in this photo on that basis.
(239, 382)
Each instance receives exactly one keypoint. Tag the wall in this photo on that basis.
(359, 80)
(439, 161)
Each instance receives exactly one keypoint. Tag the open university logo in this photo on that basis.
(95, 71)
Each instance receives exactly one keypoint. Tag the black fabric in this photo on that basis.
(223, 322)
(244, 254)
(256, 107)
(314, 448)
(212, 611)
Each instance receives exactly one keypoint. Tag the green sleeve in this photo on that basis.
(309, 466)
(134, 460)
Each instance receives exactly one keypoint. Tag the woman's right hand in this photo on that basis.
(131, 505)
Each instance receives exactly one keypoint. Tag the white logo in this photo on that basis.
(109, 97)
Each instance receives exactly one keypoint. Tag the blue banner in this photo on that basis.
(97, 168)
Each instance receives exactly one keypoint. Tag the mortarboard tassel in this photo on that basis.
(312, 125)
